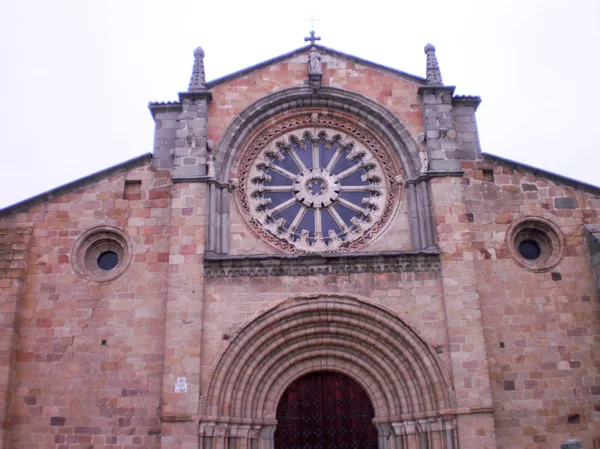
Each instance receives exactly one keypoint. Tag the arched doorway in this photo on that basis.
(325, 410)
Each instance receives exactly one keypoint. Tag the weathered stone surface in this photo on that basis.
(566, 203)
(479, 349)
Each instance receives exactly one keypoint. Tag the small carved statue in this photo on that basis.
(210, 165)
(424, 161)
(314, 62)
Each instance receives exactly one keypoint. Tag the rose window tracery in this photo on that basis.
(316, 189)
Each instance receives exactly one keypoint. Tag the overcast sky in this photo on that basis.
(77, 75)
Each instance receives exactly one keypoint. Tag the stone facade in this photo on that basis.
(460, 338)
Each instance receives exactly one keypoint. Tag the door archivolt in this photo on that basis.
(397, 369)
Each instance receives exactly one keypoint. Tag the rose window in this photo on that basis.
(317, 191)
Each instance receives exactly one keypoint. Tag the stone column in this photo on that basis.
(440, 133)
(469, 369)
(183, 327)
(14, 259)
(463, 113)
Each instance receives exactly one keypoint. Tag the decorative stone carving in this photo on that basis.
(210, 167)
(315, 69)
(250, 180)
(198, 79)
(434, 75)
(311, 184)
(308, 264)
(314, 62)
(424, 161)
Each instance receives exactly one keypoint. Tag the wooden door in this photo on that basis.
(325, 410)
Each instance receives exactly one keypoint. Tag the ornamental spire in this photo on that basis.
(434, 76)
(198, 80)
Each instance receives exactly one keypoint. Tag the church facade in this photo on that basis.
(316, 254)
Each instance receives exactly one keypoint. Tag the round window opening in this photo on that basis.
(108, 260)
(530, 250)
(102, 254)
(316, 190)
(535, 243)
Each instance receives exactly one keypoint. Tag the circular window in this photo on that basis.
(530, 249)
(108, 260)
(316, 189)
(535, 243)
(102, 254)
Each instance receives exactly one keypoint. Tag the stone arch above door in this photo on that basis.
(398, 369)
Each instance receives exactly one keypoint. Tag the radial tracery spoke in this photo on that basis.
(298, 218)
(282, 206)
(276, 189)
(335, 157)
(338, 219)
(350, 205)
(292, 152)
(349, 171)
(318, 223)
(315, 155)
(282, 171)
(355, 188)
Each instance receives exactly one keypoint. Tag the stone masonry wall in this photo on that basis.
(542, 329)
(230, 302)
(397, 94)
(14, 262)
(89, 357)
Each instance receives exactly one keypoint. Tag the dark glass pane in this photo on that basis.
(308, 223)
(306, 154)
(326, 155)
(355, 197)
(529, 249)
(353, 179)
(343, 163)
(345, 213)
(287, 163)
(288, 214)
(278, 179)
(329, 223)
(108, 260)
(277, 198)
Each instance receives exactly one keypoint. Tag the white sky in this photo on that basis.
(77, 75)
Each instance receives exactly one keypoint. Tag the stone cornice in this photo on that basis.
(433, 88)
(216, 266)
(195, 95)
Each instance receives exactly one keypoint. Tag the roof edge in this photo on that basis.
(70, 186)
(327, 50)
(565, 180)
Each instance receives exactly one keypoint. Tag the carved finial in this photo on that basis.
(198, 80)
(434, 76)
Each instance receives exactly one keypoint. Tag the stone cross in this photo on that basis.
(312, 38)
